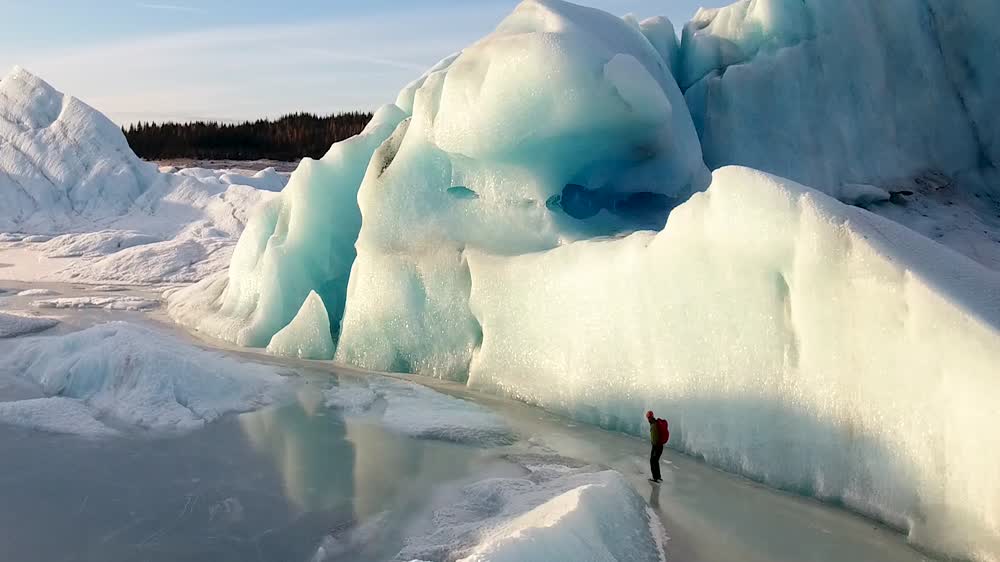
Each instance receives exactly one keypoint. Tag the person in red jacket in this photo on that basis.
(659, 434)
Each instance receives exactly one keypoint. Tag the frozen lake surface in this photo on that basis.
(359, 466)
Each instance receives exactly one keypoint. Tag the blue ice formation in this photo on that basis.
(498, 225)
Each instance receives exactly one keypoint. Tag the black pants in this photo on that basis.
(654, 460)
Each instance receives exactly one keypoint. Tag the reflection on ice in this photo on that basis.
(310, 451)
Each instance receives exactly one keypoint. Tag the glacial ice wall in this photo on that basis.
(300, 242)
(834, 93)
(787, 337)
(564, 124)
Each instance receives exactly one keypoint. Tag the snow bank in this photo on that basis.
(37, 293)
(420, 412)
(100, 243)
(267, 179)
(55, 415)
(12, 325)
(787, 337)
(546, 515)
(123, 374)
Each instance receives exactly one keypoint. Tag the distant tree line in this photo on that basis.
(288, 138)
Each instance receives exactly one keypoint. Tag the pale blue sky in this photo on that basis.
(219, 59)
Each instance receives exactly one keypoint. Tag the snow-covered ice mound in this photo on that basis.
(121, 375)
(60, 160)
(12, 325)
(72, 188)
(552, 513)
(36, 293)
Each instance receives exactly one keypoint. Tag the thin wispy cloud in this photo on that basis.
(248, 71)
(348, 56)
(169, 7)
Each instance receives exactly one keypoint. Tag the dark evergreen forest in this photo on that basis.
(287, 138)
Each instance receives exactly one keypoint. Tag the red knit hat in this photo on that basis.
(649, 415)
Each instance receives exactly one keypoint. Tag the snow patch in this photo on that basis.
(37, 293)
(55, 415)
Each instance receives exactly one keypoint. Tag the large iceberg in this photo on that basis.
(498, 225)
(562, 125)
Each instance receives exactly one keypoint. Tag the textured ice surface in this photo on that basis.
(774, 84)
(55, 415)
(12, 325)
(60, 159)
(546, 515)
(124, 374)
(878, 92)
(308, 334)
(418, 411)
(810, 345)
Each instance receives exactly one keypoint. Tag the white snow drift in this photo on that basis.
(12, 325)
(121, 375)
